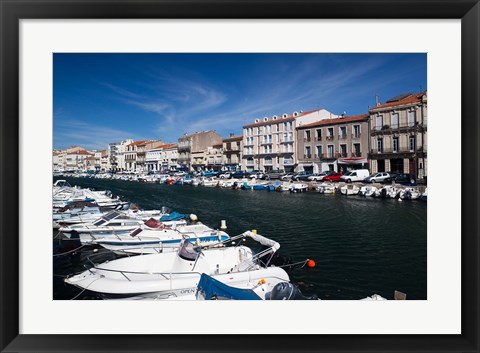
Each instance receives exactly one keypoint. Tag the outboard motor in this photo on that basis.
(288, 291)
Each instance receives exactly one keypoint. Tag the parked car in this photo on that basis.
(179, 174)
(240, 175)
(405, 179)
(302, 176)
(275, 174)
(377, 177)
(319, 176)
(256, 175)
(209, 173)
(225, 175)
(333, 177)
(355, 175)
(287, 176)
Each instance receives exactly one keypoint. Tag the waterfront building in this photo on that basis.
(162, 157)
(104, 165)
(58, 160)
(214, 156)
(98, 160)
(270, 143)
(135, 155)
(116, 155)
(398, 130)
(232, 152)
(192, 148)
(78, 160)
(339, 144)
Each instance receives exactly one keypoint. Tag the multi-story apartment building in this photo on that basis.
(78, 160)
(58, 160)
(135, 155)
(338, 144)
(398, 130)
(214, 157)
(162, 157)
(192, 148)
(270, 143)
(232, 152)
(104, 161)
(116, 154)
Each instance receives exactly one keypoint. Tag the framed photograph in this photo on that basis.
(343, 91)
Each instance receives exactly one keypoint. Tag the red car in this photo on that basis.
(335, 177)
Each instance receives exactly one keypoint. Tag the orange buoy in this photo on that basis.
(310, 263)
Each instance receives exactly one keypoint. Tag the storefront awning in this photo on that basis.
(352, 161)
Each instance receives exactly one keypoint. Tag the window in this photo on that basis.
(394, 124)
(412, 143)
(330, 133)
(356, 149)
(356, 130)
(307, 135)
(308, 153)
(268, 160)
(411, 118)
(331, 151)
(380, 145)
(319, 151)
(395, 144)
(379, 121)
(343, 150)
(342, 132)
(268, 129)
(319, 134)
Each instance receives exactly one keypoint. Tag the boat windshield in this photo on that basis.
(188, 251)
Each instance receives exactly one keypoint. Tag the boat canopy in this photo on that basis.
(263, 240)
(174, 216)
(210, 288)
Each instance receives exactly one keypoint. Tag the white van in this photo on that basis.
(355, 175)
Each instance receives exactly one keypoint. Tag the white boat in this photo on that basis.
(410, 193)
(388, 191)
(160, 239)
(298, 187)
(368, 190)
(424, 195)
(177, 274)
(226, 183)
(326, 188)
(112, 223)
(209, 182)
(349, 189)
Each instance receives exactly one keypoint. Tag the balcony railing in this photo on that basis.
(391, 150)
(288, 161)
(307, 139)
(307, 156)
(402, 127)
(318, 138)
(330, 137)
(250, 163)
(357, 154)
(342, 136)
(286, 140)
(268, 162)
(356, 135)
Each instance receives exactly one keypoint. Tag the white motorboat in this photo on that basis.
(114, 222)
(177, 274)
(368, 190)
(410, 193)
(210, 182)
(388, 191)
(326, 188)
(349, 189)
(226, 183)
(161, 238)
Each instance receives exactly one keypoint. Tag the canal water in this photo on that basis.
(361, 246)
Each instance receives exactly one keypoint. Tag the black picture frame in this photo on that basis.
(12, 11)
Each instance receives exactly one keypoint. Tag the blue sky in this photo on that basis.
(102, 98)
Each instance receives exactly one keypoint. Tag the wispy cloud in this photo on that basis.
(91, 136)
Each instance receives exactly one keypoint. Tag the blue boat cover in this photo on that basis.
(213, 289)
(174, 216)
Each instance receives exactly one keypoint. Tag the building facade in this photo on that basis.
(162, 158)
(398, 130)
(79, 160)
(192, 148)
(270, 143)
(232, 152)
(339, 144)
(116, 155)
(214, 157)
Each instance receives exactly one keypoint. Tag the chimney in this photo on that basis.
(377, 102)
(232, 134)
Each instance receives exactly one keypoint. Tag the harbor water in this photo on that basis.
(361, 246)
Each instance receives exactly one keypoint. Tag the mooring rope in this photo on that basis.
(84, 289)
(68, 252)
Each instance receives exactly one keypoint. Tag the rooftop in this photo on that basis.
(233, 138)
(407, 98)
(281, 118)
(347, 119)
